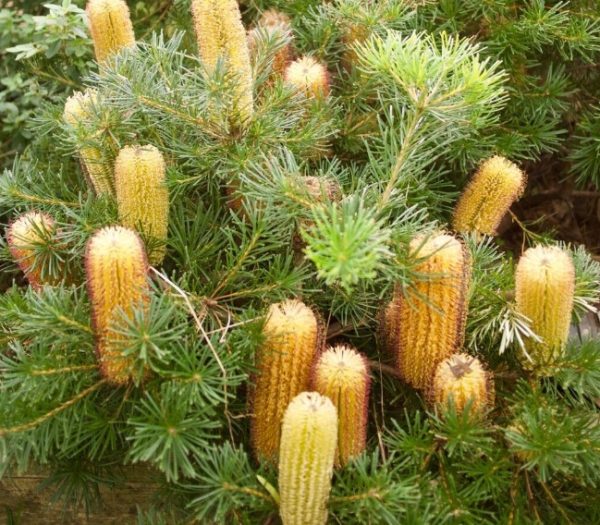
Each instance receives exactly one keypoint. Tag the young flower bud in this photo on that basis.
(488, 196)
(308, 441)
(77, 113)
(544, 289)
(117, 271)
(426, 324)
(274, 23)
(142, 195)
(284, 362)
(29, 231)
(220, 35)
(461, 379)
(308, 76)
(110, 26)
(342, 374)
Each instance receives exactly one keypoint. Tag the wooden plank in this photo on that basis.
(23, 503)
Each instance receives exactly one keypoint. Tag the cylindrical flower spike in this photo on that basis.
(461, 379)
(142, 195)
(293, 339)
(28, 231)
(488, 196)
(275, 23)
(342, 374)
(77, 113)
(111, 27)
(117, 272)
(544, 289)
(426, 324)
(308, 441)
(221, 35)
(308, 76)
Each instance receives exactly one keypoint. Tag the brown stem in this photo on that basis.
(38, 421)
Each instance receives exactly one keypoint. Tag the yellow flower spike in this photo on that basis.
(488, 196)
(426, 324)
(142, 195)
(462, 379)
(77, 113)
(342, 374)
(221, 35)
(308, 441)
(275, 23)
(111, 28)
(544, 289)
(27, 231)
(308, 76)
(293, 338)
(116, 271)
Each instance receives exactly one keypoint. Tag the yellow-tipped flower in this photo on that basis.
(221, 35)
(142, 195)
(308, 441)
(545, 285)
(308, 76)
(426, 325)
(77, 113)
(342, 374)
(461, 379)
(275, 23)
(489, 195)
(23, 235)
(284, 363)
(111, 28)
(117, 271)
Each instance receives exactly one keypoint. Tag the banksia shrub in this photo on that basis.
(308, 441)
(77, 113)
(308, 76)
(461, 379)
(24, 235)
(221, 35)
(142, 195)
(111, 28)
(488, 196)
(342, 374)
(544, 288)
(426, 324)
(284, 363)
(117, 271)
(274, 23)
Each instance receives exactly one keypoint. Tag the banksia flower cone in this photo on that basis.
(308, 76)
(284, 364)
(426, 325)
(77, 113)
(489, 195)
(308, 441)
(275, 23)
(116, 270)
(23, 235)
(461, 379)
(111, 28)
(544, 289)
(142, 196)
(342, 374)
(221, 35)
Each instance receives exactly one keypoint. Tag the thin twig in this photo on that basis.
(65, 370)
(200, 327)
(387, 369)
(38, 421)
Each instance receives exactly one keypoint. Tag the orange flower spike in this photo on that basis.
(117, 272)
(284, 363)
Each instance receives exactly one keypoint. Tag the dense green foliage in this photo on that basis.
(419, 105)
